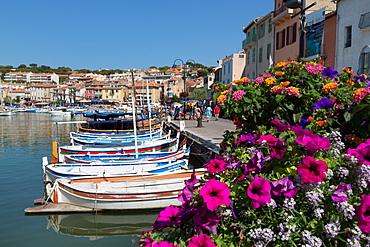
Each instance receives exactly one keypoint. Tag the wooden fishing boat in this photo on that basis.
(77, 139)
(122, 192)
(170, 145)
(156, 132)
(64, 170)
(125, 158)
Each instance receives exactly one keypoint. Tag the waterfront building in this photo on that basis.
(287, 29)
(232, 67)
(42, 92)
(258, 46)
(353, 35)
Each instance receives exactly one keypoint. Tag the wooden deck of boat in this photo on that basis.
(51, 208)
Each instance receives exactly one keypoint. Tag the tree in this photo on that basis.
(33, 65)
(22, 66)
(202, 72)
(199, 94)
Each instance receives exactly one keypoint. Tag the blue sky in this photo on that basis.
(118, 34)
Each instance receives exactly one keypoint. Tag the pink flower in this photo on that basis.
(362, 152)
(269, 139)
(169, 216)
(203, 240)
(293, 91)
(363, 214)
(312, 170)
(238, 95)
(161, 244)
(312, 142)
(280, 127)
(216, 165)
(215, 193)
(314, 68)
(259, 192)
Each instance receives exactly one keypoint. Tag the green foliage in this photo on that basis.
(199, 94)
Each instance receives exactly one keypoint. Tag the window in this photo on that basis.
(248, 57)
(268, 51)
(254, 55)
(228, 67)
(348, 37)
(261, 30)
(224, 69)
(270, 26)
(241, 56)
(254, 75)
(280, 39)
(365, 61)
(260, 55)
(291, 34)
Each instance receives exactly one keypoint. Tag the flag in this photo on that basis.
(271, 62)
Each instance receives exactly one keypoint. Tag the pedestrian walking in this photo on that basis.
(208, 113)
(216, 111)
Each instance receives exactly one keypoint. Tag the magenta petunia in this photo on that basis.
(169, 216)
(202, 240)
(161, 244)
(280, 127)
(312, 170)
(338, 195)
(362, 152)
(363, 214)
(216, 165)
(315, 143)
(278, 150)
(187, 192)
(215, 193)
(259, 192)
(284, 187)
(269, 139)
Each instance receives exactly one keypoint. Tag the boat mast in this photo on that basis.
(149, 109)
(134, 111)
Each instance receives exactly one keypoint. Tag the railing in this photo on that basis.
(279, 11)
(249, 39)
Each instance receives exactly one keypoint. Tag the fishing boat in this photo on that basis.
(5, 113)
(64, 170)
(125, 158)
(77, 139)
(170, 145)
(140, 192)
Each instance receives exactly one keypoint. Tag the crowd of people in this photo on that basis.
(195, 112)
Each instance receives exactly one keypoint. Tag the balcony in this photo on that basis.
(281, 15)
(249, 41)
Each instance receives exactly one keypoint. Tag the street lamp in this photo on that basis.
(184, 71)
(295, 4)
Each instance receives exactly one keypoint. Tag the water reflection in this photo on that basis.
(99, 225)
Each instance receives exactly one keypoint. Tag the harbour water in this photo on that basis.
(25, 139)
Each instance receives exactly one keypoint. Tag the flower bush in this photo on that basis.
(295, 173)
(285, 186)
(305, 93)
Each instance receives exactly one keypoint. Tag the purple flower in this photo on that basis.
(363, 214)
(360, 78)
(203, 240)
(339, 195)
(280, 127)
(204, 220)
(187, 192)
(256, 162)
(303, 123)
(323, 103)
(259, 192)
(312, 170)
(215, 193)
(169, 216)
(284, 187)
(246, 139)
(362, 152)
(329, 72)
